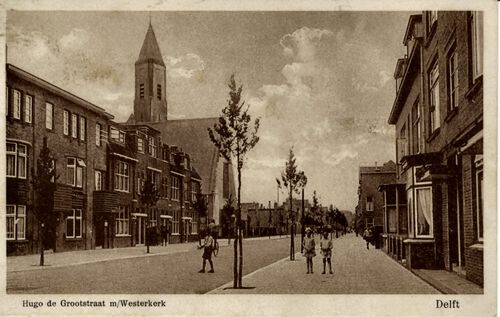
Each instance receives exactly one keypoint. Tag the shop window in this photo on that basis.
(74, 224)
(16, 222)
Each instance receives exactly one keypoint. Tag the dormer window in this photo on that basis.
(117, 135)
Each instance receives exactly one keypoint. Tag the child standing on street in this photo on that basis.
(309, 250)
(207, 246)
(326, 247)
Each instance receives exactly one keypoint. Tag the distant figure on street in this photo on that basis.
(309, 249)
(326, 246)
(212, 229)
(163, 233)
(207, 246)
(368, 236)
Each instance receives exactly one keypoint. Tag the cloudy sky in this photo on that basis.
(320, 81)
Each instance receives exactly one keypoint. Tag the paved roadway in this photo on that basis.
(356, 270)
(174, 273)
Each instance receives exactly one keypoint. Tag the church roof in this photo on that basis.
(150, 50)
(192, 136)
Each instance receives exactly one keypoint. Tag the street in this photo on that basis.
(267, 270)
(175, 273)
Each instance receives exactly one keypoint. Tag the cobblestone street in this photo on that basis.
(356, 271)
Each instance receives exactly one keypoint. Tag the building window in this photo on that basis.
(175, 222)
(83, 128)
(74, 224)
(174, 188)
(98, 129)
(154, 176)
(98, 180)
(66, 122)
(140, 182)
(141, 91)
(158, 92)
(7, 101)
(476, 28)
(49, 116)
(117, 135)
(16, 113)
(28, 109)
(74, 172)
(153, 219)
(140, 145)
(164, 187)
(152, 147)
(369, 203)
(16, 160)
(423, 221)
(121, 176)
(434, 118)
(74, 125)
(417, 138)
(195, 189)
(122, 221)
(452, 81)
(478, 162)
(16, 222)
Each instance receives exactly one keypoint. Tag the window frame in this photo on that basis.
(98, 129)
(28, 108)
(158, 91)
(83, 128)
(477, 43)
(452, 79)
(141, 91)
(66, 122)
(74, 126)
(416, 209)
(478, 193)
(434, 102)
(98, 180)
(49, 116)
(140, 144)
(17, 157)
(120, 177)
(122, 222)
(174, 188)
(18, 220)
(72, 219)
(370, 203)
(17, 104)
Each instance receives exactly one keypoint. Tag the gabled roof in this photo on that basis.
(387, 167)
(192, 136)
(150, 50)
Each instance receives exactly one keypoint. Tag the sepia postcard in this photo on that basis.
(253, 158)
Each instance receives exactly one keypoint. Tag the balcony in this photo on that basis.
(105, 201)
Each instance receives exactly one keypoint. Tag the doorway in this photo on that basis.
(141, 230)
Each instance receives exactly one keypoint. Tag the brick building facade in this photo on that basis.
(438, 116)
(100, 165)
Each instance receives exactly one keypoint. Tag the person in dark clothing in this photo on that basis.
(207, 246)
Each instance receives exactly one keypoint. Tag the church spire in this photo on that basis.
(150, 50)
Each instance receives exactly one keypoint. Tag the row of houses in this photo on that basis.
(101, 165)
(432, 210)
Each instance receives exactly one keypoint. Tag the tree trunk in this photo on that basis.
(235, 262)
(147, 231)
(292, 233)
(240, 232)
(42, 244)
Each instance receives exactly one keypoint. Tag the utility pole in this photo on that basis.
(302, 229)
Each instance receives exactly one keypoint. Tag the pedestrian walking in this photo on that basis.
(207, 246)
(163, 233)
(326, 246)
(368, 236)
(309, 250)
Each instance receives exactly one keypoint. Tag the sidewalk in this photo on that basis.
(59, 259)
(356, 271)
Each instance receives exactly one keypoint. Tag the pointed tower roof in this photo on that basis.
(150, 50)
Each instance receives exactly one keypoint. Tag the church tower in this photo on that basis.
(150, 102)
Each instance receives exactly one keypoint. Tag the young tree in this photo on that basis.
(44, 183)
(148, 197)
(234, 137)
(293, 180)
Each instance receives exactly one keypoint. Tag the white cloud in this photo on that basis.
(185, 66)
(336, 158)
(302, 43)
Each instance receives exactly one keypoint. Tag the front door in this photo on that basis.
(141, 230)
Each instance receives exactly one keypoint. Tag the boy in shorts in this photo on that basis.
(326, 247)
(208, 247)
